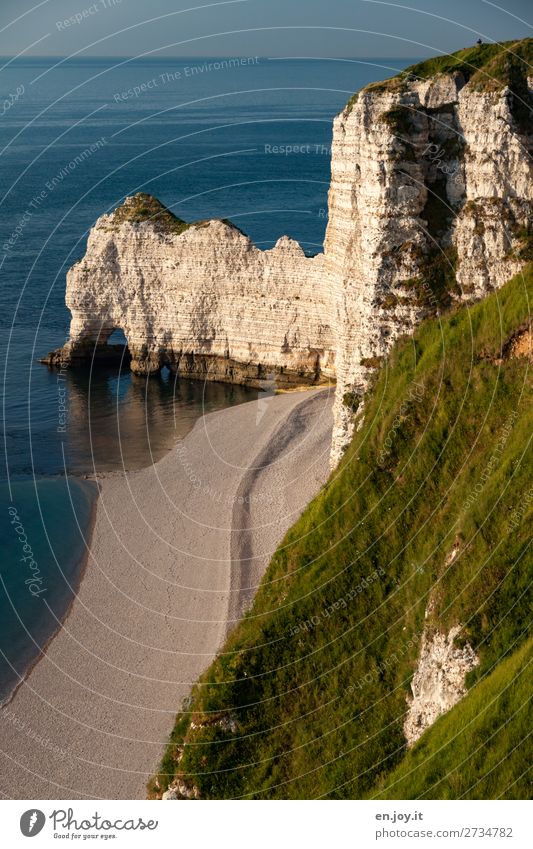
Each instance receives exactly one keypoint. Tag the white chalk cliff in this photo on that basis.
(429, 201)
(201, 299)
(430, 195)
(429, 205)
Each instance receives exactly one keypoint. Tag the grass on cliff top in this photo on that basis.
(481, 749)
(486, 66)
(143, 207)
(316, 676)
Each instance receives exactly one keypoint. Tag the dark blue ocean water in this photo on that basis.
(246, 141)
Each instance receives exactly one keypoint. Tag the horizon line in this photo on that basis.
(204, 56)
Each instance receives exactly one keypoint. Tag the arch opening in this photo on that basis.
(113, 349)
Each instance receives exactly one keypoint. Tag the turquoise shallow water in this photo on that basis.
(43, 536)
(250, 143)
(114, 421)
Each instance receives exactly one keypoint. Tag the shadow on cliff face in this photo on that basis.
(107, 349)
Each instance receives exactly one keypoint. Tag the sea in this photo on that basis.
(246, 138)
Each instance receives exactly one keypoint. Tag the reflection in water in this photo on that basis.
(77, 420)
(116, 420)
(81, 421)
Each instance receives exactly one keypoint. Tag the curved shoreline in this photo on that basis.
(82, 567)
(82, 564)
(157, 597)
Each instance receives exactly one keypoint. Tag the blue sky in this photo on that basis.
(360, 28)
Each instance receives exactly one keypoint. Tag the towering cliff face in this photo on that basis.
(430, 202)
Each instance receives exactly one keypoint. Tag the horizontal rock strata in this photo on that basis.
(430, 202)
(203, 301)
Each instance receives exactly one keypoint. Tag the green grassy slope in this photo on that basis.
(315, 678)
(481, 749)
(487, 67)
